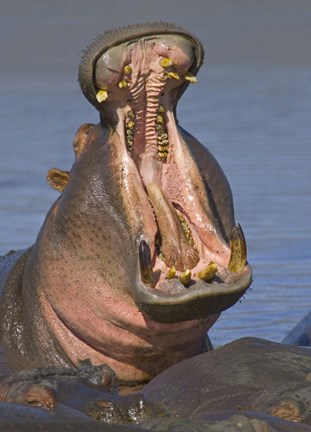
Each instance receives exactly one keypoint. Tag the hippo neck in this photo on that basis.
(89, 312)
(70, 330)
(137, 349)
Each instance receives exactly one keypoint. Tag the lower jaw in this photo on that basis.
(197, 302)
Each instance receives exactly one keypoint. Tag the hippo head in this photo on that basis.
(192, 258)
(143, 237)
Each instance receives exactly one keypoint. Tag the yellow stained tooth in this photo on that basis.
(191, 78)
(131, 115)
(159, 128)
(238, 250)
(172, 75)
(171, 273)
(159, 119)
(162, 149)
(130, 124)
(185, 277)
(166, 62)
(101, 96)
(162, 155)
(127, 69)
(122, 84)
(207, 273)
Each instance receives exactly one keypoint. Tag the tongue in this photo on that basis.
(176, 250)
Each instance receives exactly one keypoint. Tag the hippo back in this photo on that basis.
(301, 333)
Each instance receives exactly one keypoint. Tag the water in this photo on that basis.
(251, 107)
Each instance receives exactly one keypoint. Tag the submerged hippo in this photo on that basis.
(249, 385)
(301, 333)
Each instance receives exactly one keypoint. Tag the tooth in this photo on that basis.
(185, 228)
(160, 109)
(145, 264)
(176, 250)
(238, 250)
(162, 155)
(173, 75)
(130, 124)
(159, 119)
(191, 78)
(162, 148)
(159, 127)
(131, 114)
(185, 277)
(207, 273)
(122, 84)
(127, 69)
(101, 96)
(171, 273)
(166, 62)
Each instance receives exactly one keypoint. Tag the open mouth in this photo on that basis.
(192, 256)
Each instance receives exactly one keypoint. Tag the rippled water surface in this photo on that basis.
(251, 108)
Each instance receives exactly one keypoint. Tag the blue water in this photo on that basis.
(251, 108)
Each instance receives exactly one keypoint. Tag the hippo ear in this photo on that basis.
(57, 179)
(81, 136)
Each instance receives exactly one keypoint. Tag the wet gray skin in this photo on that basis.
(140, 253)
(249, 385)
(301, 333)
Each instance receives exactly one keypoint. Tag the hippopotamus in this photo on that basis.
(249, 385)
(140, 253)
(301, 334)
(135, 261)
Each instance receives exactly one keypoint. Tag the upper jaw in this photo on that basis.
(137, 85)
(124, 35)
